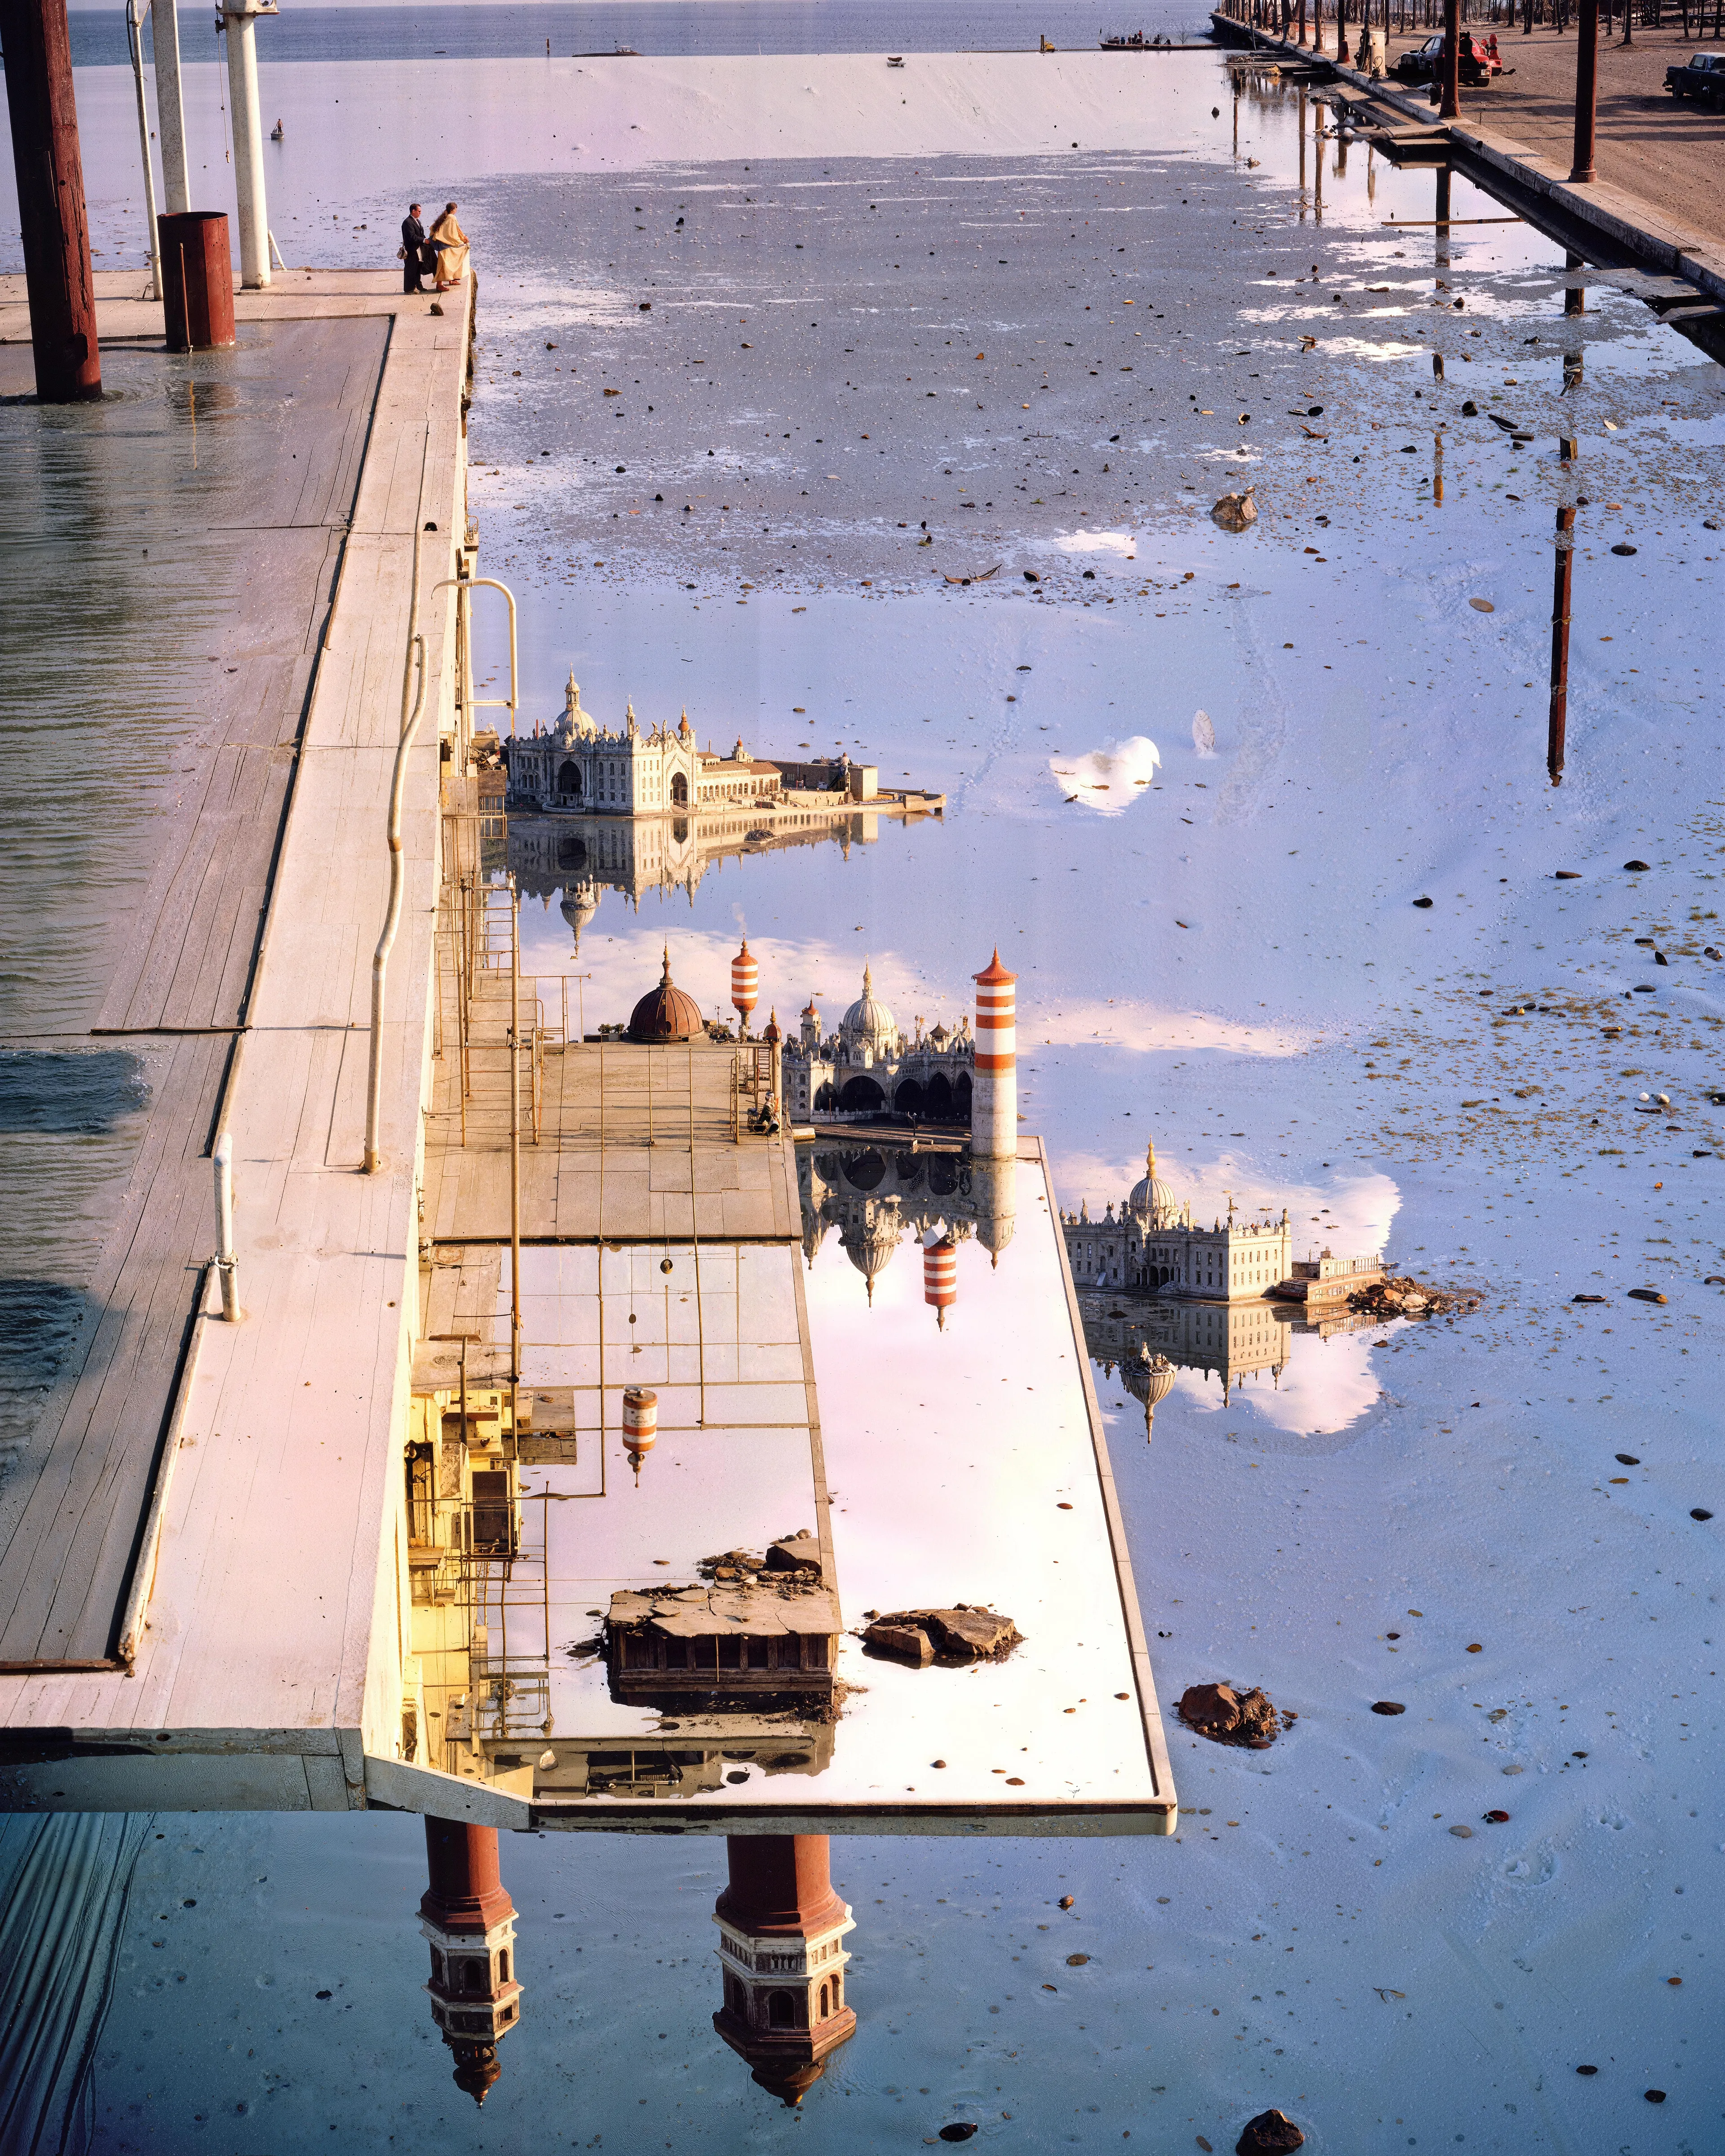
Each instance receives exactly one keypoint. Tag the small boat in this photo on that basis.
(626, 52)
(277, 132)
(895, 59)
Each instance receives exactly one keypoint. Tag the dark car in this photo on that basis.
(1702, 78)
(1425, 62)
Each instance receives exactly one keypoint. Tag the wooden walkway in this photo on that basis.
(253, 955)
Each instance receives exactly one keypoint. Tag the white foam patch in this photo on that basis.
(1098, 542)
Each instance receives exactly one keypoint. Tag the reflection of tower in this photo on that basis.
(467, 1916)
(940, 1277)
(869, 1238)
(994, 1102)
(780, 1932)
(994, 1198)
(745, 985)
(1150, 1380)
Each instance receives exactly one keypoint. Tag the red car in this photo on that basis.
(1425, 62)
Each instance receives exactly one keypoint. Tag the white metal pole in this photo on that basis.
(226, 1265)
(412, 704)
(134, 38)
(170, 105)
(239, 19)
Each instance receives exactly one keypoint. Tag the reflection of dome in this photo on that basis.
(869, 1022)
(870, 1250)
(1152, 1201)
(1150, 1380)
(666, 1013)
(578, 907)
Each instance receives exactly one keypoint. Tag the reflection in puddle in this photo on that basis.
(1109, 779)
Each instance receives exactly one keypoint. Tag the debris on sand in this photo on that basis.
(960, 1633)
(1407, 1297)
(1226, 1716)
(1235, 512)
(1270, 2133)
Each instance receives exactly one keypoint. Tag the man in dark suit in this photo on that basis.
(413, 244)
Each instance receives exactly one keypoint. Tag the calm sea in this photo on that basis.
(673, 27)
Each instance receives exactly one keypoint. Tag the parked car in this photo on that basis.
(1425, 62)
(1702, 77)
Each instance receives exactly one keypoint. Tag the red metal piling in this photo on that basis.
(50, 195)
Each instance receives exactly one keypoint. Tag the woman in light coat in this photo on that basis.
(450, 241)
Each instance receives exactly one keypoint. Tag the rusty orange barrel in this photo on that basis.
(640, 1419)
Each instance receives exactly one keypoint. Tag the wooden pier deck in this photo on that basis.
(252, 956)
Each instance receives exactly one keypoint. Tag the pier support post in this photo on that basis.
(1587, 88)
(170, 107)
(50, 199)
(239, 19)
(1557, 726)
(1450, 75)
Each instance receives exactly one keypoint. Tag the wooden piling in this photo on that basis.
(50, 196)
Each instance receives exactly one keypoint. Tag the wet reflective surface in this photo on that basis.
(1418, 1514)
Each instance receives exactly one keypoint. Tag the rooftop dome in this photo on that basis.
(578, 906)
(666, 1013)
(867, 1020)
(575, 724)
(1152, 1202)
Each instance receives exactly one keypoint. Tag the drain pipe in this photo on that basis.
(135, 39)
(410, 711)
(170, 105)
(227, 1265)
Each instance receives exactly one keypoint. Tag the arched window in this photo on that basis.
(679, 791)
(824, 2009)
(862, 1096)
(569, 780)
(781, 2010)
(908, 1099)
(503, 1965)
(437, 1966)
(938, 1102)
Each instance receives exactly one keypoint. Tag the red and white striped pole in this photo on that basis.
(940, 1277)
(640, 1424)
(994, 1095)
(745, 985)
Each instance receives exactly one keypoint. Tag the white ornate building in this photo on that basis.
(581, 767)
(1153, 1243)
(869, 1067)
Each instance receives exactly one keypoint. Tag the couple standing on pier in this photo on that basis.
(443, 250)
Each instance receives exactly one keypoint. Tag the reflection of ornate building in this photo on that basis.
(468, 1917)
(1153, 1242)
(868, 1066)
(1148, 1342)
(877, 1195)
(781, 1934)
(642, 812)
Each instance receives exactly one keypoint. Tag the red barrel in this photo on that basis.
(640, 1421)
(197, 280)
(940, 1277)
